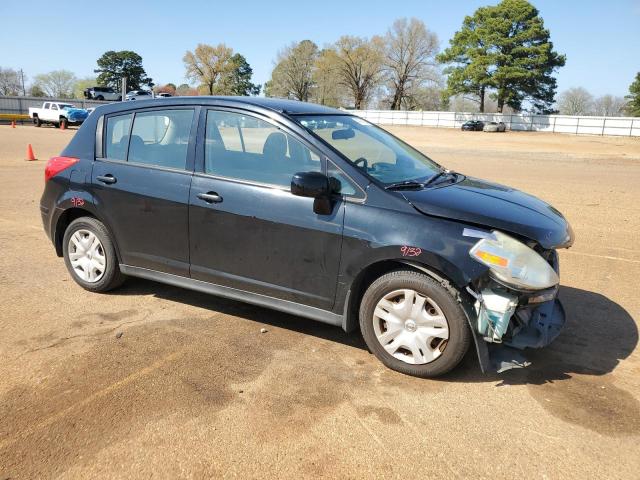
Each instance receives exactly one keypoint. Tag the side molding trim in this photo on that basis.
(286, 306)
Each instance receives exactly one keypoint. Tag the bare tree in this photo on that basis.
(575, 101)
(609, 106)
(81, 84)
(409, 58)
(209, 65)
(326, 80)
(292, 77)
(186, 90)
(358, 66)
(10, 82)
(58, 83)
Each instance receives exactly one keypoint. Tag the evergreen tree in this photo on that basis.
(507, 49)
(112, 66)
(633, 107)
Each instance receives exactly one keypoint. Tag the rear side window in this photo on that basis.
(117, 137)
(161, 138)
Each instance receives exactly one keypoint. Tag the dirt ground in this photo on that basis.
(192, 389)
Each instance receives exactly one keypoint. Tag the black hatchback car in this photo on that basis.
(472, 126)
(311, 211)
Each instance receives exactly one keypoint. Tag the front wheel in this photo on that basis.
(413, 324)
(90, 255)
(64, 123)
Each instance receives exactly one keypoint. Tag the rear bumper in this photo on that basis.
(46, 214)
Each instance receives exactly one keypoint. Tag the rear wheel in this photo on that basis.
(64, 123)
(413, 324)
(90, 255)
(36, 121)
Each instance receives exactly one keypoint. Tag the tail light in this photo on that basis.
(57, 164)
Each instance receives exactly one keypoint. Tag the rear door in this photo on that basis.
(141, 182)
(247, 230)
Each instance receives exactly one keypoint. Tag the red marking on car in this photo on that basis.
(77, 201)
(410, 251)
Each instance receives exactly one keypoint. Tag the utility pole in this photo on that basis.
(24, 92)
(124, 88)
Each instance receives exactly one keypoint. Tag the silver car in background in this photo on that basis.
(495, 127)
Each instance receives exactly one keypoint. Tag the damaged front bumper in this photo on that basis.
(506, 321)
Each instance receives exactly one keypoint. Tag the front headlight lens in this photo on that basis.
(513, 263)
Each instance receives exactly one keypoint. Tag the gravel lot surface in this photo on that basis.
(153, 381)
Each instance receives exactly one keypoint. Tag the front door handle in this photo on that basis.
(108, 179)
(210, 197)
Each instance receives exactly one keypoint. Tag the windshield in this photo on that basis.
(65, 105)
(370, 148)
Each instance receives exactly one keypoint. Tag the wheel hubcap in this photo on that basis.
(410, 326)
(87, 256)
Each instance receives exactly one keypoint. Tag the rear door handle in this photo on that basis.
(210, 197)
(108, 179)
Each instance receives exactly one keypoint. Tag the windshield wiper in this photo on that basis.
(407, 184)
(438, 176)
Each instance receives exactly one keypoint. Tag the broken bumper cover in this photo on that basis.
(541, 325)
(531, 326)
(545, 323)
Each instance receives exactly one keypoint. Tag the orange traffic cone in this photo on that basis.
(30, 156)
(13, 124)
(63, 126)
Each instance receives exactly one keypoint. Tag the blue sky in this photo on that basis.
(601, 39)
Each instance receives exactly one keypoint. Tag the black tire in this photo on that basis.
(100, 97)
(64, 123)
(36, 121)
(112, 277)
(444, 296)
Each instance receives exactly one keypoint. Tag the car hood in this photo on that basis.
(495, 206)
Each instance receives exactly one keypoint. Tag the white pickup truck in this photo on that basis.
(58, 114)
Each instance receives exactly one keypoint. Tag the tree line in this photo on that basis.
(501, 59)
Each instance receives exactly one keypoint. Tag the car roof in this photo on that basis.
(289, 107)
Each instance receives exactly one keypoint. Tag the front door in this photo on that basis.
(141, 183)
(247, 230)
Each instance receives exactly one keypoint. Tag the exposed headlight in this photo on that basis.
(513, 263)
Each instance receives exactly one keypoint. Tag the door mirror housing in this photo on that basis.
(310, 184)
(314, 185)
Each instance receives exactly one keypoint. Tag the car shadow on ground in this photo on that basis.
(599, 334)
(261, 315)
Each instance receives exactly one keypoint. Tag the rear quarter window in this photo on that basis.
(117, 137)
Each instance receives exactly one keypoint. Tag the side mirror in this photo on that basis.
(314, 185)
(310, 184)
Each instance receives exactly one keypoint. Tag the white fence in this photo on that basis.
(621, 126)
(20, 105)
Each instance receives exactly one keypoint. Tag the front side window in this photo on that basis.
(116, 138)
(161, 138)
(377, 152)
(246, 148)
